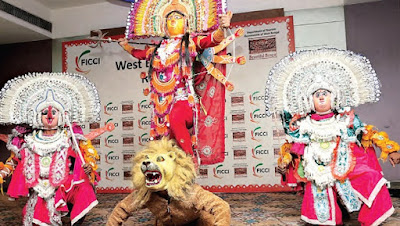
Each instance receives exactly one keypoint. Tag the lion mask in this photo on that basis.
(163, 166)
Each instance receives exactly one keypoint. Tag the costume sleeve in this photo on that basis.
(211, 40)
(16, 141)
(207, 201)
(140, 54)
(78, 133)
(15, 145)
(294, 134)
(297, 148)
(355, 127)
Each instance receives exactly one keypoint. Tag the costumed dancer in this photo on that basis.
(164, 183)
(173, 87)
(333, 153)
(47, 164)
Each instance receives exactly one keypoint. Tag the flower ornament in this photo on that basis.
(380, 138)
(284, 154)
(389, 147)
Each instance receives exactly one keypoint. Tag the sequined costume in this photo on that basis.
(330, 157)
(47, 168)
(172, 92)
(175, 100)
(50, 174)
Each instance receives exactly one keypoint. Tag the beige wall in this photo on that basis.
(373, 29)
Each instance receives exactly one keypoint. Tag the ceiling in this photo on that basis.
(58, 4)
(17, 33)
(16, 30)
(234, 4)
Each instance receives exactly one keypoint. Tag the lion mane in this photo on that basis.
(162, 167)
(184, 173)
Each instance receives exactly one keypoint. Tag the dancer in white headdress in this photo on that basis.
(47, 164)
(332, 149)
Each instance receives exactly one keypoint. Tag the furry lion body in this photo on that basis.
(177, 200)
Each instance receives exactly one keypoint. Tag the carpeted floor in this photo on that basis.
(247, 209)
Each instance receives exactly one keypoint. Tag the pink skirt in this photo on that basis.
(17, 187)
(369, 186)
(80, 194)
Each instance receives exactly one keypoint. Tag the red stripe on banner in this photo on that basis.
(249, 188)
(290, 34)
(222, 189)
(110, 190)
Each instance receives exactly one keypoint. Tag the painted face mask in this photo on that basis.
(175, 24)
(322, 100)
(50, 116)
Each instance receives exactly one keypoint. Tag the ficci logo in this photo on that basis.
(257, 170)
(258, 133)
(80, 62)
(256, 115)
(258, 151)
(109, 141)
(256, 97)
(109, 108)
(142, 123)
(219, 171)
(111, 174)
(110, 158)
(143, 139)
(142, 106)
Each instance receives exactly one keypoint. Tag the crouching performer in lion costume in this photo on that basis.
(164, 183)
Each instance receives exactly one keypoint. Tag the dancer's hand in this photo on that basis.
(225, 19)
(282, 169)
(122, 42)
(394, 158)
(4, 138)
(87, 168)
(229, 86)
(146, 92)
(239, 32)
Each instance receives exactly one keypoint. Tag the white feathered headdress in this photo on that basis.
(23, 98)
(348, 75)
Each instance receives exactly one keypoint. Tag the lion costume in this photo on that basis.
(164, 183)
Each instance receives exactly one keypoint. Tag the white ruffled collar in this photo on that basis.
(43, 145)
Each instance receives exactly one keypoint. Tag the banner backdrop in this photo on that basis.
(252, 138)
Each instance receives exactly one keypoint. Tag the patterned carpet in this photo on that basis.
(247, 209)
